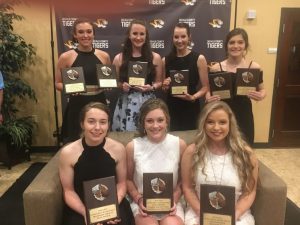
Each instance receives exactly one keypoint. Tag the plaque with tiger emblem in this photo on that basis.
(107, 76)
(137, 73)
(101, 200)
(158, 192)
(179, 82)
(73, 80)
(217, 204)
(221, 84)
(247, 79)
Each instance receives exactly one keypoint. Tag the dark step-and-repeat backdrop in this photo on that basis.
(209, 21)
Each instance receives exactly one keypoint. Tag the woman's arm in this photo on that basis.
(66, 174)
(178, 191)
(157, 62)
(118, 62)
(245, 201)
(121, 170)
(131, 188)
(187, 182)
(203, 77)
(260, 94)
(166, 80)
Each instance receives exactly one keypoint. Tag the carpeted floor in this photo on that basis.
(11, 202)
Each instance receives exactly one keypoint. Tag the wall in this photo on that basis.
(263, 34)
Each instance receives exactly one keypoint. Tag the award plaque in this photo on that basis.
(100, 199)
(179, 81)
(247, 79)
(217, 205)
(73, 80)
(221, 84)
(107, 76)
(158, 192)
(137, 73)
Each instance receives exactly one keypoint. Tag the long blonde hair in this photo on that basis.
(240, 150)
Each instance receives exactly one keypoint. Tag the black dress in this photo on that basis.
(242, 109)
(184, 114)
(71, 125)
(94, 162)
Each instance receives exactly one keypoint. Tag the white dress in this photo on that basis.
(216, 173)
(152, 157)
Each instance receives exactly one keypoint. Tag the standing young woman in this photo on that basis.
(87, 57)
(184, 109)
(93, 156)
(219, 156)
(136, 48)
(236, 46)
(154, 151)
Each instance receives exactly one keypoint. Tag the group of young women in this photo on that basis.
(220, 154)
(184, 109)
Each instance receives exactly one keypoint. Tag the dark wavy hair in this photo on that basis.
(127, 51)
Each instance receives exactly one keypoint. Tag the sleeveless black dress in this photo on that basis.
(94, 162)
(71, 125)
(184, 114)
(242, 109)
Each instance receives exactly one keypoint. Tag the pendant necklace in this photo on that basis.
(213, 169)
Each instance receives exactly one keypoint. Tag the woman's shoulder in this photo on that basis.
(215, 67)
(71, 150)
(68, 54)
(156, 55)
(254, 65)
(104, 56)
(190, 150)
(114, 144)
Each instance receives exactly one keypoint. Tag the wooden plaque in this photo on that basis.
(137, 73)
(101, 200)
(158, 192)
(247, 79)
(73, 80)
(217, 205)
(179, 81)
(107, 76)
(221, 84)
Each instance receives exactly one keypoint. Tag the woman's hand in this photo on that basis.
(173, 210)
(142, 208)
(213, 98)
(126, 87)
(144, 88)
(166, 84)
(186, 96)
(255, 95)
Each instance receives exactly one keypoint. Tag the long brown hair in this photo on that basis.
(240, 150)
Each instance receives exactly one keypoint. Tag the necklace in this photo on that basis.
(213, 169)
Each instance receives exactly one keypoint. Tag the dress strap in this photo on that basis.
(221, 68)
(250, 64)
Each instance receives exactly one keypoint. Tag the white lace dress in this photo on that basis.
(152, 157)
(216, 173)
